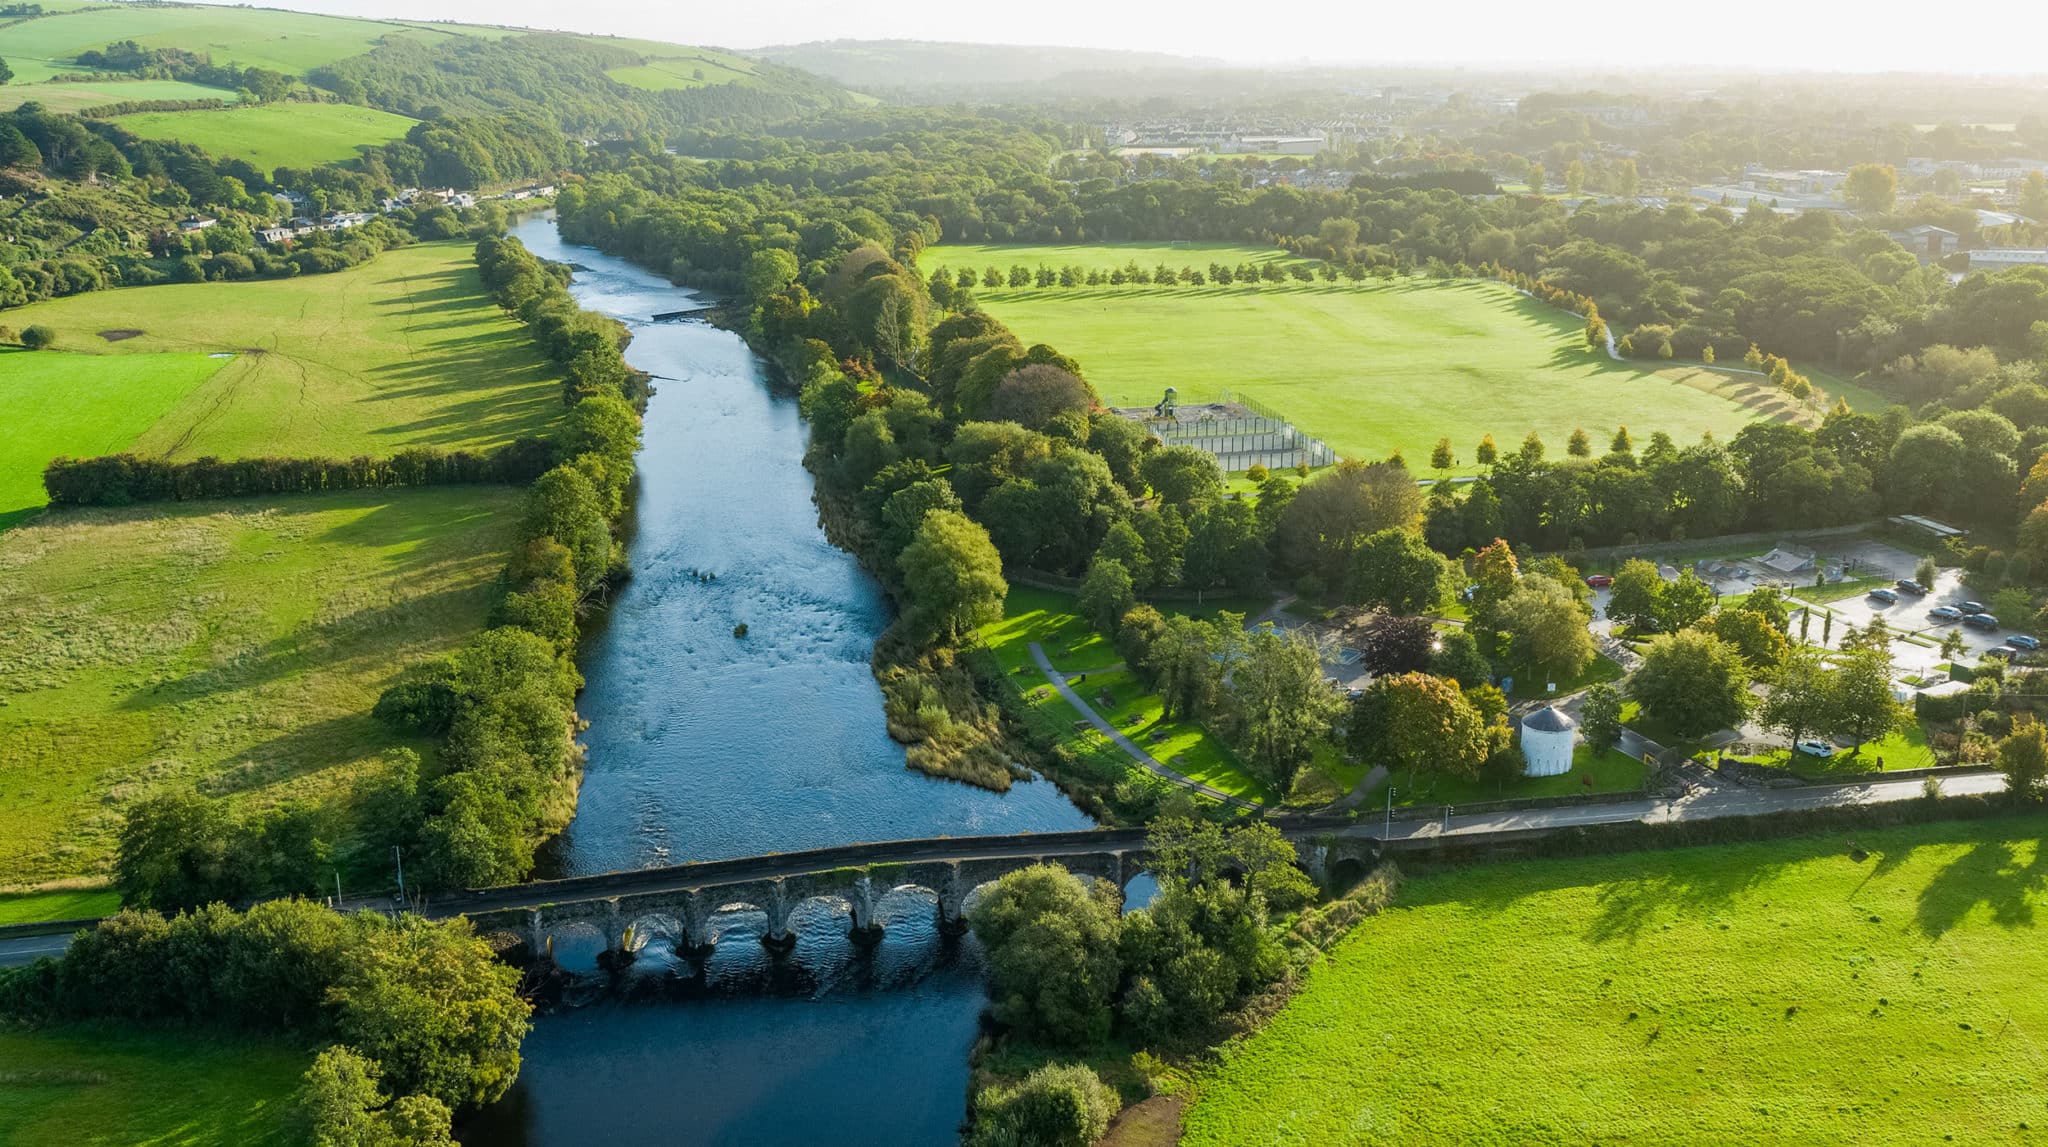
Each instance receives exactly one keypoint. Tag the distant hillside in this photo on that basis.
(909, 64)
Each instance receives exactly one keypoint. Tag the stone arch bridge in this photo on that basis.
(680, 901)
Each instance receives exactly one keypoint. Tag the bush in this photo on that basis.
(38, 336)
(1059, 1105)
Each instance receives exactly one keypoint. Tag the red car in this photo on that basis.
(1599, 581)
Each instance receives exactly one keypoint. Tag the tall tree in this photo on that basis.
(1280, 704)
(1693, 682)
(1872, 187)
(1636, 597)
(1397, 571)
(954, 576)
(1802, 696)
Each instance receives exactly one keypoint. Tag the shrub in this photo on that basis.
(38, 336)
(1058, 1105)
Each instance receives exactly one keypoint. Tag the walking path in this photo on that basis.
(1058, 681)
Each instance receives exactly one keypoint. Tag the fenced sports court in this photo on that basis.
(1237, 431)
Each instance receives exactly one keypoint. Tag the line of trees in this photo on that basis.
(126, 479)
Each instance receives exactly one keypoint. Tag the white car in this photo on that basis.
(1813, 748)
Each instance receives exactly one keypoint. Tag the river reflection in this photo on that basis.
(704, 745)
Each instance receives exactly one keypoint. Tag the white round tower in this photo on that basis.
(1547, 738)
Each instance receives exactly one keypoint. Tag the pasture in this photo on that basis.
(290, 42)
(71, 98)
(81, 405)
(1780, 992)
(670, 67)
(1371, 368)
(270, 136)
(1097, 256)
(101, 1085)
(234, 647)
(404, 350)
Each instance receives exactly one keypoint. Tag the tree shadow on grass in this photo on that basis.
(1989, 874)
(307, 749)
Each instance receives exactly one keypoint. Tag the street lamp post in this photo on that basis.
(1389, 830)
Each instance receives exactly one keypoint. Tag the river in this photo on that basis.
(702, 746)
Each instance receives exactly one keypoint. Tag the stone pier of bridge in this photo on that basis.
(685, 915)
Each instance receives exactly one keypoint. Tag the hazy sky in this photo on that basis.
(1835, 35)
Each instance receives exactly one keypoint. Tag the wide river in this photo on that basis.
(703, 746)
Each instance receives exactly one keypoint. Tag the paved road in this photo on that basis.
(1058, 680)
(28, 949)
(1707, 804)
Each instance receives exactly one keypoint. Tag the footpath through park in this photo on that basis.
(1058, 680)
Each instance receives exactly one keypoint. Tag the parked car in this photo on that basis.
(1882, 594)
(1813, 748)
(1980, 621)
(1945, 613)
(2022, 641)
(1913, 587)
(1970, 607)
(2002, 652)
(1599, 581)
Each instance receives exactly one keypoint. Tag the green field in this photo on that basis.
(75, 97)
(58, 904)
(1777, 993)
(1370, 368)
(271, 136)
(104, 1086)
(405, 350)
(235, 647)
(291, 42)
(673, 68)
(81, 405)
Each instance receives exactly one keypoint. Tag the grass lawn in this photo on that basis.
(275, 135)
(1840, 590)
(1610, 771)
(291, 42)
(81, 404)
(106, 1086)
(1778, 993)
(74, 97)
(1902, 750)
(1076, 649)
(64, 904)
(231, 646)
(405, 350)
(1370, 368)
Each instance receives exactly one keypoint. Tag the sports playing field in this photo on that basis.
(405, 350)
(270, 136)
(1369, 367)
(1774, 993)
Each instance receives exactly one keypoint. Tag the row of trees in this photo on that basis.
(421, 1019)
(124, 479)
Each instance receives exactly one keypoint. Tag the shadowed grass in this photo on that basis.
(103, 1086)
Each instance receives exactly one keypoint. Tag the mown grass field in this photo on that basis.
(1774, 993)
(291, 42)
(405, 350)
(104, 1086)
(58, 904)
(276, 135)
(75, 97)
(1372, 367)
(79, 405)
(232, 647)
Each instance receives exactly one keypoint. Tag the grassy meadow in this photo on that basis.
(1095, 256)
(74, 404)
(405, 350)
(77, 96)
(270, 136)
(291, 42)
(106, 1086)
(1371, 367)
(670, 67)
(1782, 992)
(235, 647)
